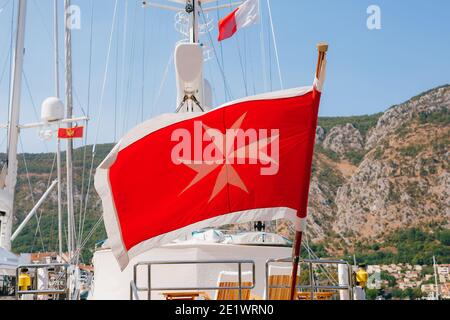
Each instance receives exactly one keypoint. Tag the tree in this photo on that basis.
(391, 279)
(413, 294)
(397, 294)
(444, 237)
(371, 294)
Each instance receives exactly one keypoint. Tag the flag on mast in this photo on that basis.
(244, 16)
(249, 160)
(71, 133)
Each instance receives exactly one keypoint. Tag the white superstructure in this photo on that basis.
(112, 284)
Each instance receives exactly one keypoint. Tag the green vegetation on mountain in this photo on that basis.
(420, 95)
(440, 117)
(362, 123)
(355, 157)
(327, 152)
(36, 171)
(331, 177)
(413, 246)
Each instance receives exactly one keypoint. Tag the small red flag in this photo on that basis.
(70, 133)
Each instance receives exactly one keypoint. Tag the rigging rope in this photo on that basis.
(213, 85)
(100, 112)
(39, 216)
(38, 227)
(43, 21)
(11, 43)
(27, 85)
(49, 182)
(5, 64)
(144, 36)
(329, 276)
(275, 44)
(105, 75)
(88, 237)
(222, 72)
(149, 57)
(124, 46)
(270, 61)
(263, 52)
(252, 69)
(242, 63)
(220, 44)
(116, 83)
(82, 213)
(163, 82)
(244, 77)
(128, 85)
(60, 61)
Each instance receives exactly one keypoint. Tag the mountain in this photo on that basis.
(36, 172)
(373, 176)
(377, 175)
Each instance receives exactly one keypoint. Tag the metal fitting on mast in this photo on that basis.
(189, 7)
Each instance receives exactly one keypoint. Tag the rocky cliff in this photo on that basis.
(393, 175)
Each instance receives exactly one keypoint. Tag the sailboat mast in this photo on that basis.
(56, 46)
(13, 127)
(192, 6)
(69, 114)
(58, 141)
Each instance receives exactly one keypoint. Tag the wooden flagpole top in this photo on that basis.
(322, 47)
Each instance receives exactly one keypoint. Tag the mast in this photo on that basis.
(13, 130)
(56, 46)
(322, 49)
(189, 56)
(192, 7)
(195, 39)
(69, 113)
(58, 141)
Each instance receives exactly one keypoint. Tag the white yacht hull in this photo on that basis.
(112, 284)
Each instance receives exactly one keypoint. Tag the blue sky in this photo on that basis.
(369, 71)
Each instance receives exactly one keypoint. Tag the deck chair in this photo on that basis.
(231, 279)
(280, 276)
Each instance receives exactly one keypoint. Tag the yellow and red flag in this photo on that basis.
(70, 133)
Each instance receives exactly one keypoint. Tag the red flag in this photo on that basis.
(245, 15)
(70, 133)
(249, 160)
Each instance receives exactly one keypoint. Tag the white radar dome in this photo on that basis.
(52, 110)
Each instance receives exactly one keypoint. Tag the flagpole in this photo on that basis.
(322, 49)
